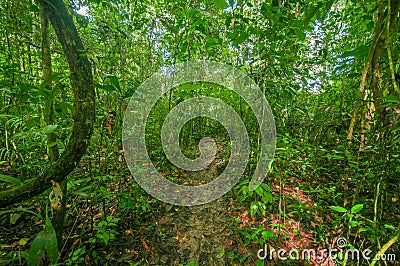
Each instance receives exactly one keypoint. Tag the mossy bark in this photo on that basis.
(84, 103)
(58, 213)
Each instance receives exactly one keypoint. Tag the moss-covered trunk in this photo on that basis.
(82, 85)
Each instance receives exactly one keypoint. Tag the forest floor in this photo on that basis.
(215, 233)
(221, 232)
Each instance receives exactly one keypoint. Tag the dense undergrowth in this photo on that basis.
(330, 72)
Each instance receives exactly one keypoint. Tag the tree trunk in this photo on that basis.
(58, 213)
(84, 104)
(373, 65)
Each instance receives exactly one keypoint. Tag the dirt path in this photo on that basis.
(202, 234)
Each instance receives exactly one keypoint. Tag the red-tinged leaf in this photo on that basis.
(144, 244)
(99, 215)
(76, 242)
(109, 127)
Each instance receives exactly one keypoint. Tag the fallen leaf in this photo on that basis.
(145, 246)
(99, 215)
(163, 220)
(109, 127)
(76, 242)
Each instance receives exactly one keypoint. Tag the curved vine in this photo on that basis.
(84, 104)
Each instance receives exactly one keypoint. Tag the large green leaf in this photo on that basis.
(46, 241)
(37, 248)
(10, 179)
(107, 87)
(49, 129)
(241, 38)
(360, 52)
(318, 10)
(114, 81)
(221, 4)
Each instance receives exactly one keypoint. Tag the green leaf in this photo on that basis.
(19, 209)
(10, 179)
(359, 52)
(259, 262)
(109, 88)
(221, 253)
(232, 35)
(337, 208)
(46, 240)
(265, 187)
(36, 248)
(300, 34)
(49, 129)
(318, 9)
(390, 226)
(253, 208)
(268, 198)
(259, 190)
(212, 42)
(221, 4)
(244, 190)
(114, 81)
(82, 191)
(390, 99)
(348, 216)
(14, 217)
(51, 241)
(34, 8)
(167, 208)
(357, 208)
(2, 116)
(268, 235)
(64, 107)
(106, 237)
(353, 223)
(52, 144)
(311, 12)
(241, 38)
(23, 241)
